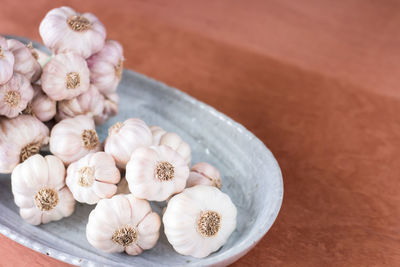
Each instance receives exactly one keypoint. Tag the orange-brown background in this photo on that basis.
(316, 81)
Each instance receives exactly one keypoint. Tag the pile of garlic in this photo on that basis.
(73, 91)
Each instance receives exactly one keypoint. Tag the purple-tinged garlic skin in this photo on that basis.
(20, 138)
(41, 106)
(90, 103)
(15, 95)
(123, 223)
(6, 61)
(203, 173)
(110, 108)
(38, 186)
(64, 30)
(24, 61)
(155, 173)
(66, 76)
(124, 138)
(106, 67)
(73, 138)
(93, 178)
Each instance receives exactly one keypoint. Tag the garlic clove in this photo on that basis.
(41, 106)
(15, 96)
(20, 138)
(203, 173)
(199, 220)
(64, 30)
(173, 140)
(65, 76)
(40, 179)
(106, 67)
(123, 223)
(156, 173)
(90, 103)
(24, 61)
(74, 138)
(124, 138)
(6, 61)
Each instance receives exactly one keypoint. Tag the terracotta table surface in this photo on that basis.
(317, 81)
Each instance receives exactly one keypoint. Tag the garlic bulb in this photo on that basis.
(161, 137)
(20, 138)
(123, 223)
(64, 30)
(124, 137)
(156, 173)
(93, 177)
(74, 138)
(199, 220)
(25, 63)
(123, 187)
(6, 61)
(204, 174)
(110, 108)
(41, 106)
(106, 67)
(90, 103)
(39, 190)
(15, 95)
(65, 76)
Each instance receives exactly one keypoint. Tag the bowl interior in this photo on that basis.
(250, 176)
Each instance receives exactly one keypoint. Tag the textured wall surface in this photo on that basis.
(316, 81)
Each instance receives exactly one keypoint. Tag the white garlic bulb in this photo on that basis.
(65, 76)
(93, 177)
(41, 106)
(110, 108)
(24, 61)
(90, 103)
(106, 67)
(20, 138)
(203, 173)
(15, 96)
(64, 30)
(39, 190)
(123, 223)
(6, 61)
(173, 140)
(199, 220)
(124, 137)
(74, 138)
(156, 173)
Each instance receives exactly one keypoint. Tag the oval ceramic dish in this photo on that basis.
(250, 176)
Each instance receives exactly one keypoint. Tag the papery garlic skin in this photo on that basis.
(64, 30)
(65, 76)
(173, 140)
(123, 223)
(203, 173)
(39, 190)
(41, 57)
(199, 220)
(124, 138)
(6, 61)
(90, 103)
(24, 61)
(110, 109)
(15, 95)
(74, 138)
(93, 177)
(106, 67)
(41, 106)
(156, 173)
(20, 138)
